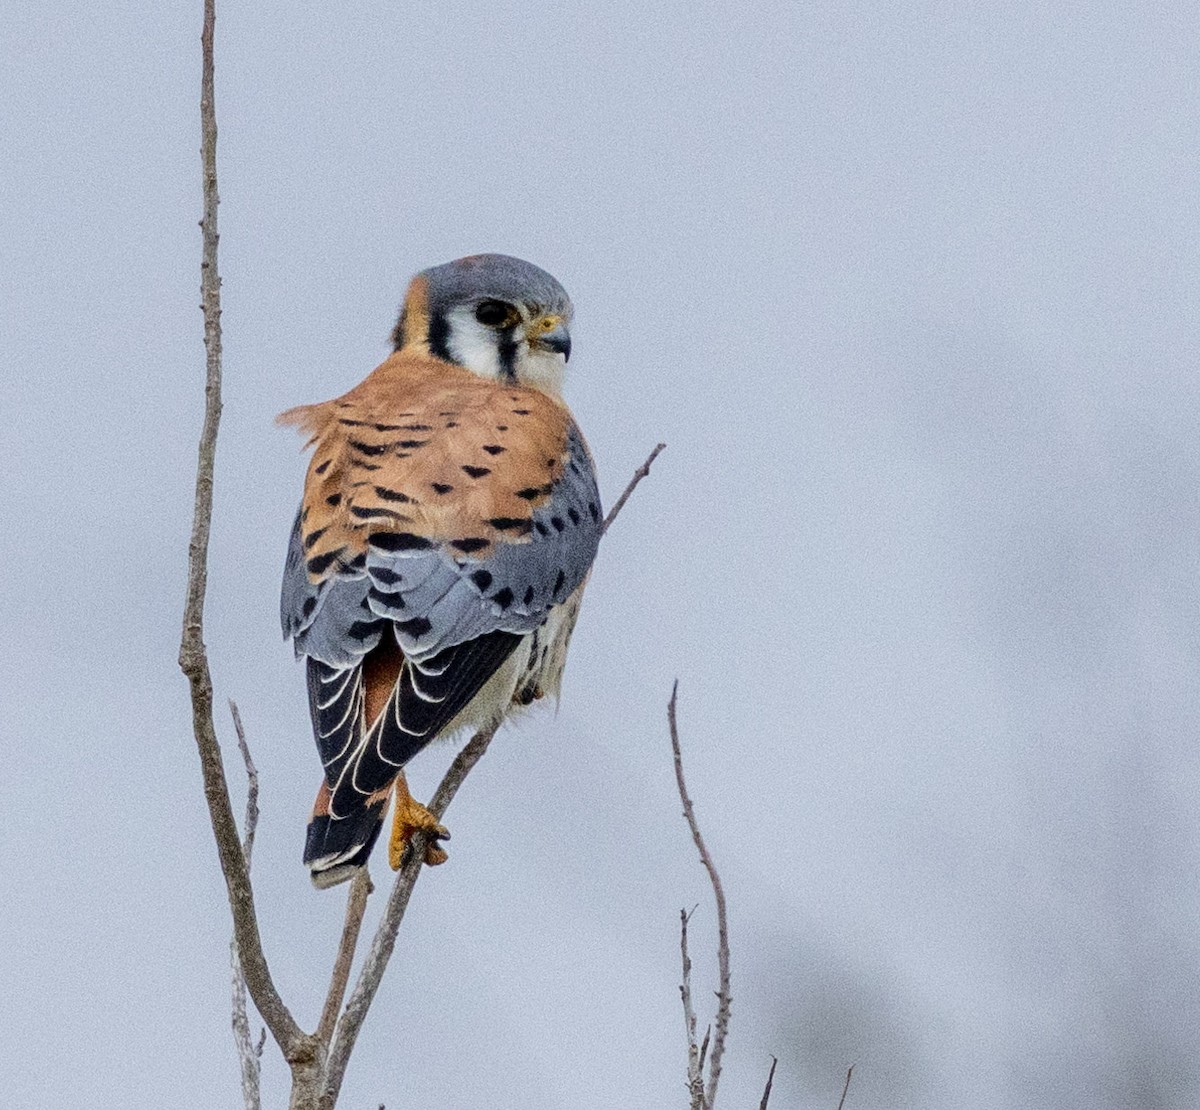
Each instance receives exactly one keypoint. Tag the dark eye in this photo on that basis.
(494, 313)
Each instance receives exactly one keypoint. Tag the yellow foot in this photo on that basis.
(408, 817)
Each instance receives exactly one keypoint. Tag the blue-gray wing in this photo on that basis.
(432, 593)
(457, 615)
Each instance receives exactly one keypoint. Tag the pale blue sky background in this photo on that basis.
(909, 290)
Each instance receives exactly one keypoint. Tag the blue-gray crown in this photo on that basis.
(498, 276)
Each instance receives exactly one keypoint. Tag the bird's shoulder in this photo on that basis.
(426, 449)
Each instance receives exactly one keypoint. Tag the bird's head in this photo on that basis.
(493, 314)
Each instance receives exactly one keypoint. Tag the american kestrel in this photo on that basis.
(449, 521)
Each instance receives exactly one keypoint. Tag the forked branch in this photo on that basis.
(703, 1095)
(249, 1053)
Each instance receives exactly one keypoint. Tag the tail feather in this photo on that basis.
(335, 848)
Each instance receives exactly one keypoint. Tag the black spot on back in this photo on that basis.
(440, 487)
(398, 541)
(319, 564)
(361, 630)
(392, 601)
(416, 628)
(470, 544)
(509, 524)
(476, 471)
(364, 514)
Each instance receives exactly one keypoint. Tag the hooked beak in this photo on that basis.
(550, 333)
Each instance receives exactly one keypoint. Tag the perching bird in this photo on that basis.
(449, 521)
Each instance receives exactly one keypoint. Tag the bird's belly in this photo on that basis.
(532, 672)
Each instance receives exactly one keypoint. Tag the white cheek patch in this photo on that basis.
(473, 344)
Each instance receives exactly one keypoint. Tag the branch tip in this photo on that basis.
(642, 471)
(846, 1087)
(767, 1090)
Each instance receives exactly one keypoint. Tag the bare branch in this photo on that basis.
(641, 472)
(193, 660)
(724, 999)
(842, 1100)
(376, 962)
(767, 1090)
(248, 1056)
(356, 906)
(695, 1069)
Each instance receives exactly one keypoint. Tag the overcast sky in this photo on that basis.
(910, 291)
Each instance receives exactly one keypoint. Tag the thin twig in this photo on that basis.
(767, 1090)
(356, 906)
(193, 660)
(250, 824)
(641, 472)
(842, 1100)
(724, 999)
(695, 1068)
(248, 1056)
(371, 974)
